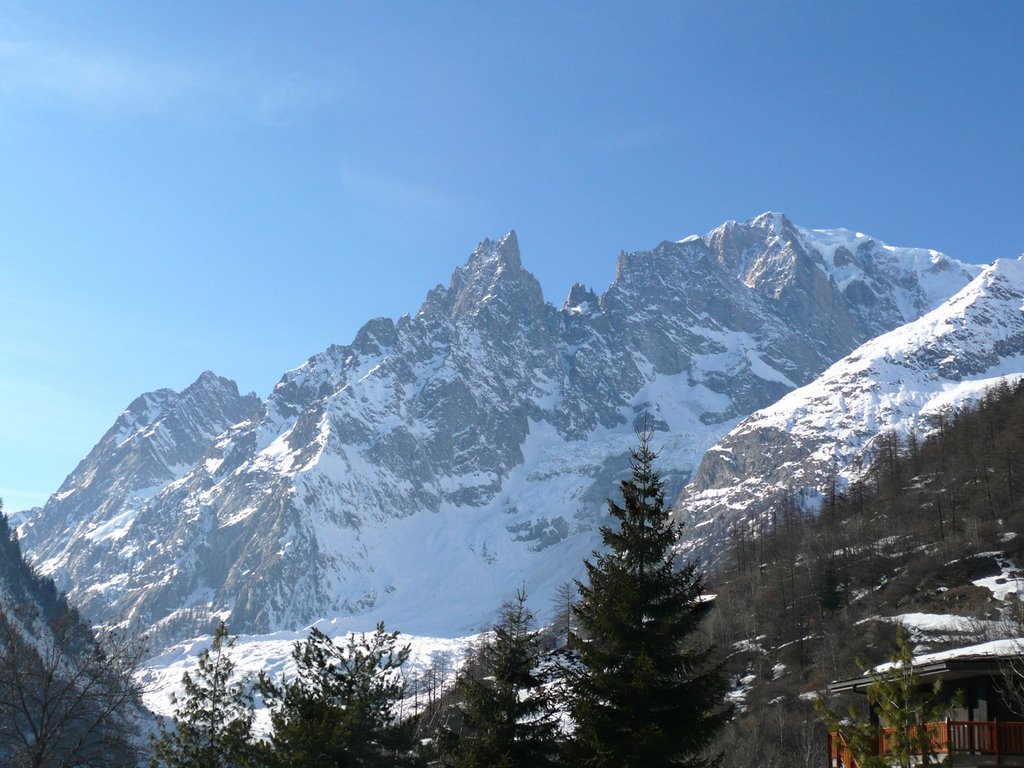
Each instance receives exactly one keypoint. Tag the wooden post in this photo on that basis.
(995, 740)
(949, 743)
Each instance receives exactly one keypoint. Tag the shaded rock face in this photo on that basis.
(424, 471)
(826, 433)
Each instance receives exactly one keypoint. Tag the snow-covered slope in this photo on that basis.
(881, 286)
(431, 668)
(424, 471)
(898, 381)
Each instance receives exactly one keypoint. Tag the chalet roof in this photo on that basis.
(969, 661)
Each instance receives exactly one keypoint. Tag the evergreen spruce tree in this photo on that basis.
(339, 710)
(645, 695)
(508, 716)
(213, 720)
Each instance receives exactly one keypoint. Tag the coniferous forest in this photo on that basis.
(641, 667)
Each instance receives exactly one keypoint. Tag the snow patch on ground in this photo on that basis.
(1004, 585)
(935, 623)
(1013, 646)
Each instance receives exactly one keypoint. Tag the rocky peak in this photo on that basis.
(153, 442)
(772, 222)
(172, 428)
(580, 300)
(742, 247)
(208, 380)
(504, 252)
(375, 336)
(493, 273)
(435, 303)
(209, 405)
(210, 398)
(141, 412)
(668, 263)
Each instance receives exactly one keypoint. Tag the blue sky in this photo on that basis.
(234, 186)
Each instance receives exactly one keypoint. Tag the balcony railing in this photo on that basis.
(952, 737)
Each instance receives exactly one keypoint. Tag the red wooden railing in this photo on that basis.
(951, 737)
(839, 754)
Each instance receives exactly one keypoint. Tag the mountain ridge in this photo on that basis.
(900, 381)
(487, 430)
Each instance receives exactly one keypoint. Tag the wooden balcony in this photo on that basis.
(958, 743)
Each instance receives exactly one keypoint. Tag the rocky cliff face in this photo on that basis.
(826, 432)
(422, 472)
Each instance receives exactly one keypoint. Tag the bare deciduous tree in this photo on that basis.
(66, 699)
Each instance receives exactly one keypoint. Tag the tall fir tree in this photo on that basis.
(507, 714)
(339, 711)
(213, 719)
(646, 694)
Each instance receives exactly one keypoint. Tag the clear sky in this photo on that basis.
(234, 185)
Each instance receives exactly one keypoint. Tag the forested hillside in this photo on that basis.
(66, 699)
(930, 536)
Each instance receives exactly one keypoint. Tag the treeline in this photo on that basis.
(806, 594)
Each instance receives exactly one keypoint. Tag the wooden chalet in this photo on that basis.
(984, 731)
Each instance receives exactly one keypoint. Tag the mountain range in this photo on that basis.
(422, 472)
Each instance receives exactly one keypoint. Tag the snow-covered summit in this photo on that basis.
(897, 381)
(881, 285)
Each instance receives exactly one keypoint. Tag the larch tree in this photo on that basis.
(564, 619)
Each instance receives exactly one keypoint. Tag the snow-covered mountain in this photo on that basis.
(160, 436)
(424, 471)
(828, 429)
